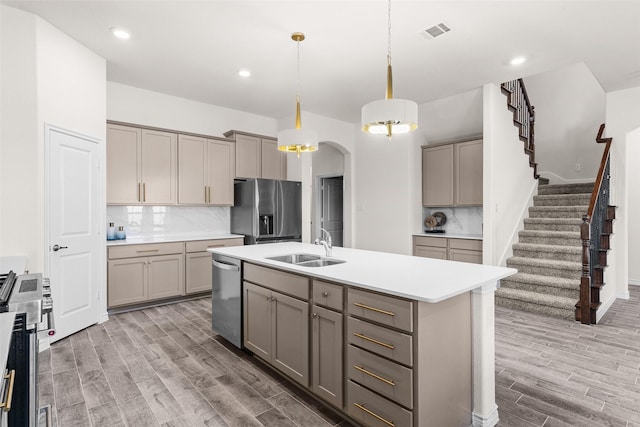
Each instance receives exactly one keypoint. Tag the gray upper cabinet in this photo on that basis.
(141, 166)
(452, 174)
(468, 178)
(206, 171)
(437, 175)
(258, 156)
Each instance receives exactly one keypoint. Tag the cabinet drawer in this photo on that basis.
(373, 410)
(381, 375)
(440, 242)
(380, 340)
(203, 245)
(152, 249)
(381, 308)
(297, 286)
(328, 295)
(472, 245)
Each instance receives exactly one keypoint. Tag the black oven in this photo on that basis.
(23, 359)
(29, 297)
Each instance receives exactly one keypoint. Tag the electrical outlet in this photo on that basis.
(578, 167)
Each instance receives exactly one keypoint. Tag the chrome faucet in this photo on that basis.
(325, 241)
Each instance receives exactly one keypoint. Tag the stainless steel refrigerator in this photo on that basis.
(267, 211)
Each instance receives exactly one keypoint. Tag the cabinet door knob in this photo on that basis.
(315, 314)
(325, 294)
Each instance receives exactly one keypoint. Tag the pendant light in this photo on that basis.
(389, 116)
(297, 140)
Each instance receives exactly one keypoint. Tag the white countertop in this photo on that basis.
(416, 278)
(16, 263)
(176, 237)
(451, 235)
(6, 327)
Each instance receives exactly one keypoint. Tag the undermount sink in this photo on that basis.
(306, 260)
(295, 258)
(320, 262)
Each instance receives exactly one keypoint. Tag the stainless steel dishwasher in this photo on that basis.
(226, 295)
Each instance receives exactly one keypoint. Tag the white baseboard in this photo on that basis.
(104, 317)
(524, 213)
(605, 306)
(634, 282)
(488, 421)
(557, 179)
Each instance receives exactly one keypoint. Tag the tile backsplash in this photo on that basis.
(460, 220)
(157, 220)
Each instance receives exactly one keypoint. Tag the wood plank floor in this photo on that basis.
(163, 366)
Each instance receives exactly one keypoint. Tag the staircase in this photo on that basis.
(549, 254)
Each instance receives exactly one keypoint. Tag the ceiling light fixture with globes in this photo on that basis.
(297, 140)
(389, 116)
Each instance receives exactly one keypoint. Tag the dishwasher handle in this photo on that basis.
(225, 266)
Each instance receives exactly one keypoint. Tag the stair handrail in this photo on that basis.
(524, 117)
(591, 226)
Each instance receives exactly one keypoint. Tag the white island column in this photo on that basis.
(485, 410)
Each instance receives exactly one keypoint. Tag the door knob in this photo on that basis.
(56, 248)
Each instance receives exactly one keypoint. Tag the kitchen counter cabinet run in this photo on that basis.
(445, 315)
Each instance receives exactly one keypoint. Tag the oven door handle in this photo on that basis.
(6, 404)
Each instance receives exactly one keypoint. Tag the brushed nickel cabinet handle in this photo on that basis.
(377, 310)
(325, 294)
(11, 376)
(383, 344)
(139, 192)
(373, 414)
(205, 194)
(371, 374)
(144, 191)
(209, 194)
(148, 250)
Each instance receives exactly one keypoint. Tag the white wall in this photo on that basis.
(47, 77)
(385, 204)
(508, 180)
(569, 106)
(19, 176)
(633, 183)
(623, 119)
(144, 107)
(454, 118)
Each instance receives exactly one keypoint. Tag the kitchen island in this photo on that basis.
(413, 336)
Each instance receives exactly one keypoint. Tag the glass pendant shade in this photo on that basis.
(297, 140)
(390, 117)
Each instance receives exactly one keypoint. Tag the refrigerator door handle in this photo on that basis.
(225, 266)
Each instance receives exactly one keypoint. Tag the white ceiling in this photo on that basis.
(193, 49)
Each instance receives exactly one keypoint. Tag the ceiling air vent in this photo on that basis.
(435, 31)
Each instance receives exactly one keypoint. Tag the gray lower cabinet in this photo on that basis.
(381, 359)
(140, 273)
(276, 325)
(326, 354)
(464, 250)
(198, 262)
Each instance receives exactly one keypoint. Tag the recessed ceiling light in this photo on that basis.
(244, 73)
(518, 60)
(120, 33)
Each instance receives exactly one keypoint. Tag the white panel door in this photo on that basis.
(74, 239)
